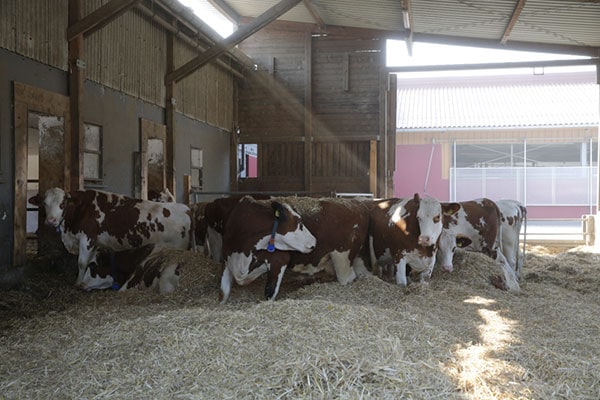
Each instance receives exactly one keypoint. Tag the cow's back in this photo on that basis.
(119, 222)
(338, 224)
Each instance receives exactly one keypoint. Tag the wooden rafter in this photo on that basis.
(513, 20)
(226, 10)
(238, 36)
(99, 18)
(407, 20)
(314, 14)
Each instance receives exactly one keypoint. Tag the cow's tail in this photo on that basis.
(524, 212)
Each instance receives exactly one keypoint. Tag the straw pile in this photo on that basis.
(457, 338)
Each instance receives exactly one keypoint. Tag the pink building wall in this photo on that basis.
(412, 163)
(410, 177)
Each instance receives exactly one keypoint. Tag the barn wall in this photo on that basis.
(128, 55)
(16, 68)
(317, 97)
(119, 116)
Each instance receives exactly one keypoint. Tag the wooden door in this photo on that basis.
(152, 159)
(41, 135)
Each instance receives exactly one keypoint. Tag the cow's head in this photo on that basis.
(54, 202)
(429, 214)
(448, 244)
(288, 232)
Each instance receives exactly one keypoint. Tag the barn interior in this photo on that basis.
(133, 96)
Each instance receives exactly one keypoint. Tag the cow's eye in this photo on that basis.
(436, 219)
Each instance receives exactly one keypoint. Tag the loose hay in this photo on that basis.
(456, 338)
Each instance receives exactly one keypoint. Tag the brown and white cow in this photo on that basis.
(164, 196)
(145, 267)
(255, 225)
(513, 217)
(210, 219)
(476, 226)
(341, 227)
(91, 220)
(405, 231)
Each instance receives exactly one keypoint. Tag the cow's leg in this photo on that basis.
(375, 270)
(86, 253)
(275, 274)
(401, 272)
(343, 269)
(358, 265)
(226, 282)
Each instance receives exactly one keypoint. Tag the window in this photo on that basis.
(196, 168)
(541, 174)
(248, 160)
(92, 154)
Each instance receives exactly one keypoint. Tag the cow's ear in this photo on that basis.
(463, 241)
(450, 208)
(278, 211)
(417, 198)
(35, 200)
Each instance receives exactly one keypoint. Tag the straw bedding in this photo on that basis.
(457, 338)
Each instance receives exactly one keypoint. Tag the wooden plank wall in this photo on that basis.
(128, 55)
(344, 77)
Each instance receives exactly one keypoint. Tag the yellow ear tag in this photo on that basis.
(276, 213)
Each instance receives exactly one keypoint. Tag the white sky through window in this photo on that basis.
(438, 54)
(209, 14)
(423, 53)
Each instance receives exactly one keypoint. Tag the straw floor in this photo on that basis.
(456, 338)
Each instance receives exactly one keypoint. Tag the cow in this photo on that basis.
(91, 220)
(210, 219)
(164, 196)
(143, 267)
(255, 225)
(476, 226)
(513, 217)
(341, 227)
(406, 231)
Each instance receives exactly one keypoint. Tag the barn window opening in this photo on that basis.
(92, 154)
(248, 160)
(196, 169)
(535, 173)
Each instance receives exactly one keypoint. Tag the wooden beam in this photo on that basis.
(308, 123)
(226, 10)
(512, 45)
(407, 21)
(517, 64)
(76, 93)
(99, 18)
(513, 20)
(170, 109)
(314, 14)
(238, 36)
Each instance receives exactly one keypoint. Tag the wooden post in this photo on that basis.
(308, 126)
(170, 109)
(373, 168)
(74, 165)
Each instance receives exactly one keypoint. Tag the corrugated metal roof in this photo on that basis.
(558, 22)
(505, 106)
